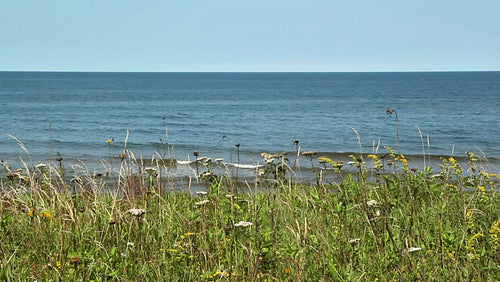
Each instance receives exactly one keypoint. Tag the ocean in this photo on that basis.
(73, 114)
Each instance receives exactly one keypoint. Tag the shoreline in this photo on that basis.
(175, 173)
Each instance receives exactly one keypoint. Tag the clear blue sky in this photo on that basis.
(257, 35)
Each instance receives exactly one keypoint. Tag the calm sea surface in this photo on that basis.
(73, 114)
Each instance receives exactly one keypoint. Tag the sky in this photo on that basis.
(249, 36)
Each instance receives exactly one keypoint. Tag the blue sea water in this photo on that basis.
(73, 114)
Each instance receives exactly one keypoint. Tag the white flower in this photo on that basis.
(136, 212)
(354, 240)
(206, 174)
(372, 203)
(202, 203)
(41, 167)
(243, 224)
(413, 249)
(229, 196)
(150, 170)
(201, 193)
(130, 244)
(204, 160)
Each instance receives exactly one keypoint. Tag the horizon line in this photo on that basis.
(134, 71)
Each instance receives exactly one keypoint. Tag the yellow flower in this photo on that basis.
(323, 160)
(473, 256)
(470, 220)
(30, 213)
(219, 274)
(45, 214)
(482, 191)
(237, 207)
(451, 255)
(452, 160)
(109, 141)
(374, 157)
(470, 246)
(494, 233)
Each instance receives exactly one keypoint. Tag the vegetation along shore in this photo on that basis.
(373, 218)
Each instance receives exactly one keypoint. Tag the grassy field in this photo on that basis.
(380, 221)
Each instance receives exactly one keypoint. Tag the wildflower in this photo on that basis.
(354, 240)
(372, 203)
(203, 193)
(324, 160)
(494, 233)
(451, 255)
(136, 212)
(45, 214)
(151, 170)
(404, 161)
(338, 164)
(41, 166)
(123, 156)
(219, 274)
(470, 246)
(190, 234)
(130, 244)
(268, 158)
(206, 175)
(30, 213)
(243, 224)
(470, 220)
(205, 160)
(238, 207)
(109, 141)
(413, 249)
(472, 256)
(309, 153)
(374, 157)
(230, 196)
(202, 203)
(287, 270)
(482, 191)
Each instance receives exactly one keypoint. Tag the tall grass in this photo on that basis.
(381, 220)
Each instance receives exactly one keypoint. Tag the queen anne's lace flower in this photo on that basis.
(243, 224)
(136, 212)
(413, 249)
(202, 203)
